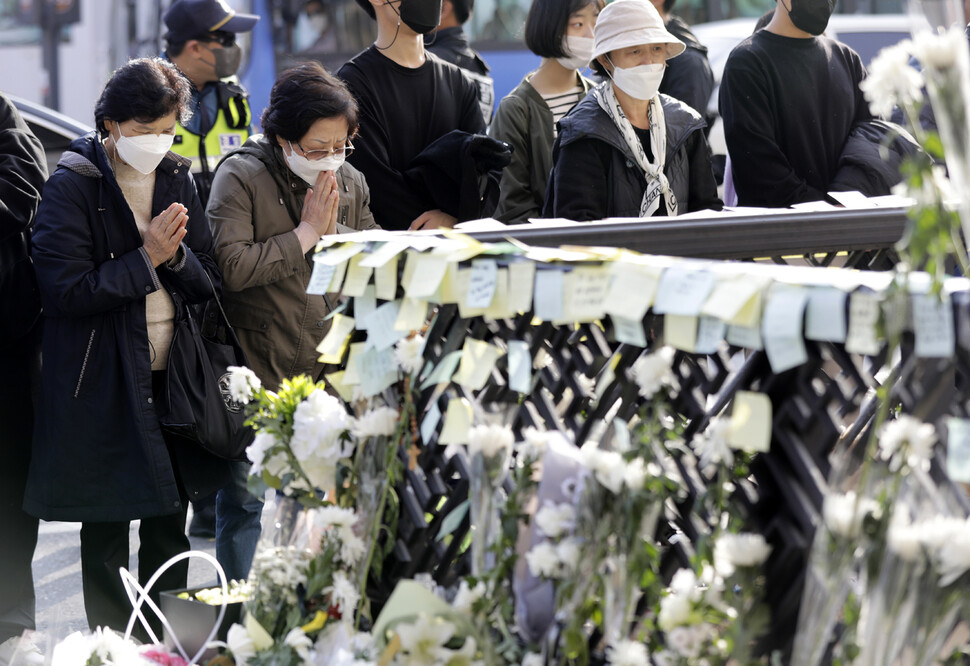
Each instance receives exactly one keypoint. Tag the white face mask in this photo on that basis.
(143, 152)
(580, 50)
(640, 82)
(308, 170)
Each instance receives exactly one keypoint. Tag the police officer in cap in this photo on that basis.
(201, 41)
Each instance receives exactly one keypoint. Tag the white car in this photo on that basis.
(866, 33)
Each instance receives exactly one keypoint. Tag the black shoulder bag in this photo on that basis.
(198, 405)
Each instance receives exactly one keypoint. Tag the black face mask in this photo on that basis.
(812, 16)
(422, 16)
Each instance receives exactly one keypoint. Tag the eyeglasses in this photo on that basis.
(226, 39)
(314, 155)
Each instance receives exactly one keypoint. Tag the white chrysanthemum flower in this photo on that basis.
(732, 551)
(334, 516)
(652, 371)
(953, 557)
(466, 597)
(492, 441)
(352, 547)
(379, 422)
(422, 639)
(409, 354)
(256, 452)
(534, 443)
(300, 642)
(844, 514)
(635, 475)
(318, 423)
(665, 658)
(627, 653)
(905, 539)
(533, 659)
(938, 51)
(685, 584)
(711, 446)
(243, 383)
(675, 610)
(344, 594)
(567, 551)
(892, 81)
(608, 467)
(907, 439)
(689, 641)
(543, 560)
(240, 644)
(556, 519)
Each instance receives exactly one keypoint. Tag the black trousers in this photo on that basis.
(104, 549)
(19, 375)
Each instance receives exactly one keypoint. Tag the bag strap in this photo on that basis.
(215, 297)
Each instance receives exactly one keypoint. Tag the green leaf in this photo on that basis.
(453, 520)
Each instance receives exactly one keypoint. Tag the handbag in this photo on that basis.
(197, 402)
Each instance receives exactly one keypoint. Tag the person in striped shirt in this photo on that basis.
(561, 32)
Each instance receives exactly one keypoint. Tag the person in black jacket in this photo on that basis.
(23, 171)
(627, 150)
(450, 43)
(120, 241)
(688, 77)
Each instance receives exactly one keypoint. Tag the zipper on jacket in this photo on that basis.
(84, 363)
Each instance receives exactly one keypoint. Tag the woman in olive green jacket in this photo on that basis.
(561, 31)
(271, 201)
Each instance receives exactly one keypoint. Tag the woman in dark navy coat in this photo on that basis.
(119, 242)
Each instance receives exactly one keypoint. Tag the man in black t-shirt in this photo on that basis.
(408, 99)
(789, 99)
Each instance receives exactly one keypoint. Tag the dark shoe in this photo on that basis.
(203, 522)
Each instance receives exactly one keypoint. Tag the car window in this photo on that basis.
(869, 44)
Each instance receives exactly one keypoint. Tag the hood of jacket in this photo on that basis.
(588, 120)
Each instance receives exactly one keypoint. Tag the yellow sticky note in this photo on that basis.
(423, 273)
(358, 277)
(448, 289)
(337, 381)
(340, 255)
(680, 331)
(338, 278)
(461, 282)
(736, 300)
(500, 307)
(385, 280)
(458, 421)
(351, 377)
(750, 425)
(584, 294)
(522, 276)
(477, 360)
(335, 343)
(631, 290)
(412, 315)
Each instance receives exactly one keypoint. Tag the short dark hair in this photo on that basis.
(367, 7)
(145, 89)
(546, 24)
(303, 95)
(463, 9)
(598, 69)
(668, 5)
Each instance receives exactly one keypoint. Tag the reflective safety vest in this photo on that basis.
(229, 131)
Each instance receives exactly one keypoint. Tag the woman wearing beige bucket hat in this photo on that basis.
(626, 150)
